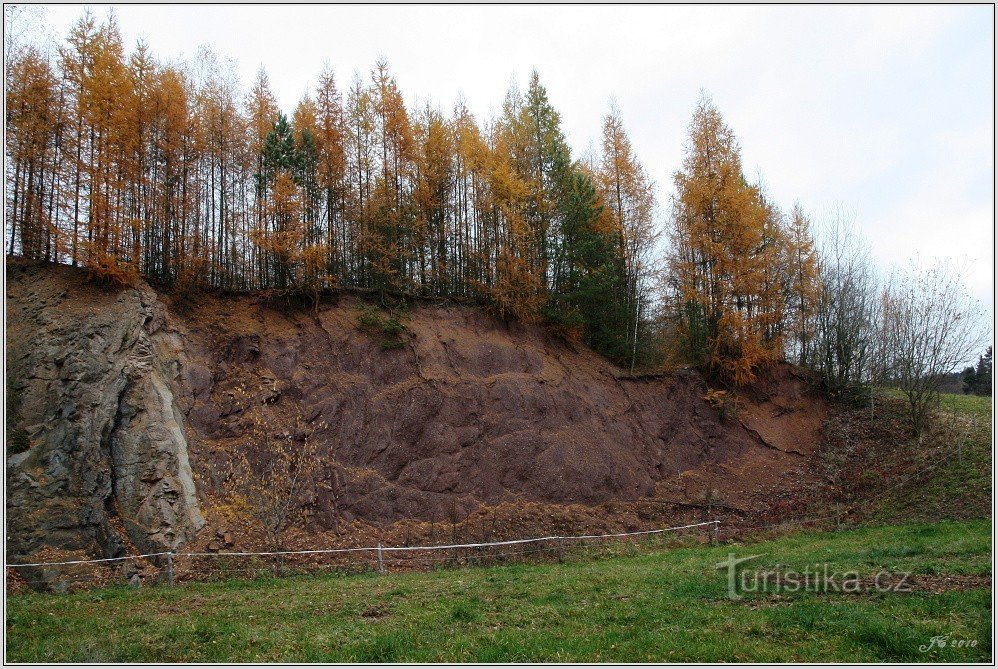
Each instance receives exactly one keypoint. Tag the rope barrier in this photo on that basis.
(114, 559)
(375, 549)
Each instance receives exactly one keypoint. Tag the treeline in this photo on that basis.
(977, 380)
(130, 166)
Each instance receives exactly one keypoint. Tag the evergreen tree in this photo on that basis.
(589, 270)
(977, 380)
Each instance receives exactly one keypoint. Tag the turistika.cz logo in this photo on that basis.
(816, 578)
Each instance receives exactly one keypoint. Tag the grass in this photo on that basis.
(967, 404)
(959, 483)
(655, 605)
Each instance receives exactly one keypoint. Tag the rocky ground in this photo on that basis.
(130, 416)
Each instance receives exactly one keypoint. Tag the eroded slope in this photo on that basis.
(467, 413)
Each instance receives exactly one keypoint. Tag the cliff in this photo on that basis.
(126, 414)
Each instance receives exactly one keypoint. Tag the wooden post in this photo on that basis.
(715, 530)
(169, 568)
(561, 549)
(381, 560)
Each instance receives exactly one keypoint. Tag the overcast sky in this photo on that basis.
(884, 112)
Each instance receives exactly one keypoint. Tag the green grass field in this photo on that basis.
(959, 483)
(657, 604)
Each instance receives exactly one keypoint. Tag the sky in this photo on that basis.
(884, 114)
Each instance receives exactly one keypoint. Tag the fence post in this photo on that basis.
(169, 568)
(561, 548)
(715, 531)
(381, 560)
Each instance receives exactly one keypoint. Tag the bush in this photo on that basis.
(723, 403)
(109, 270)
(391, 330)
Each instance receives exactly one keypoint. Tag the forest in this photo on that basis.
(131, 166)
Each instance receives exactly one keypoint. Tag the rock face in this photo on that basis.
(119, 404)
(95, 427)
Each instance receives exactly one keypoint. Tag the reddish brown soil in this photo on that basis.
(470, 430)
(475, 423)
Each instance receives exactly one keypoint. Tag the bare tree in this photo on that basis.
(930, 326)
(279, 469)
(844, 329)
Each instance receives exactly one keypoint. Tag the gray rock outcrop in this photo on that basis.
(96, 447)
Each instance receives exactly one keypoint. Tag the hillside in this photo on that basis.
(129, 415)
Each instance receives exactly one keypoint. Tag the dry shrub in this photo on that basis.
(723, 402)
(277, 472)
(109, 270)
(190, 284)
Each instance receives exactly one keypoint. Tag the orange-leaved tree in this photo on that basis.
(725, 267)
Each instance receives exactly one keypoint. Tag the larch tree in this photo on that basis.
(629, 196)
(32, 115)
(803, 286)
(720, 254)
(331, 171)
(262, 114)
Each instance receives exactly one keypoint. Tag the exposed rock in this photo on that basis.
(92, 371)
(117, 400)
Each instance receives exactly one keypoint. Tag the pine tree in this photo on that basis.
(590, 270)
(977, 380)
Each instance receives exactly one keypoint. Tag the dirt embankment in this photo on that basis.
(459, 416)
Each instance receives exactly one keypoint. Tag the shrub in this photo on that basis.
(109, 270)
(723, 403)
(391, 330)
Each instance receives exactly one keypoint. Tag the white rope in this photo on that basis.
(631, 534)
(126, 557)
(511, 542)
(307, 552)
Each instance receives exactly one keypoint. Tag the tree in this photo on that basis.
(32, 115)
(977, 380)
(724, 242)
(434, 185)
(589, 271)
(331, 171)
(929, 326)
(803, 286)
(629, 196)
(389, 234)
(277, 470)
(361, 160)
(262, 114)
(170, 138)
(844, 329)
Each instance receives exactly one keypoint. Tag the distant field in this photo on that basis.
(959, 402)
(658, 604)
(970, 404)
